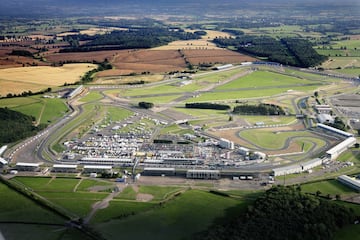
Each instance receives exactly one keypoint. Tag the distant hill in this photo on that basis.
(31, 8)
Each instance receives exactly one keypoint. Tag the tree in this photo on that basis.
(146, 105)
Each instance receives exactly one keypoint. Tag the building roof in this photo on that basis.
(325, 118)
(312, 161)
(350, 180)
(3, 161)
(2, 149)
(22, 164)
(202, 171)
(344, 144)
(335, 130)
(101, 167)
(64, 166)
(158, 169)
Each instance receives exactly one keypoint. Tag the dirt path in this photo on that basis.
(103, 203)
(77, 185)
(41, 113)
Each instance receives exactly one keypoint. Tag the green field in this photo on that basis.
(45, 184)
(159, 192)
(177, 219)
(45, 110)
(118, 114)
(157, 100)
(332, 187)
(127, 193)
(121, 209)
(268, 139)
(263, 79)
(88, 184)
(91, 97)
(267, 120)
(342, 62)
(245, 94)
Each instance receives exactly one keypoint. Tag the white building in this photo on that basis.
(334, 152)
(325, 118)
(3, 161)
(3, 149)
(350, 182)
(323, 109)
(226, 66)
(64, 168)
(97, 168)
(291, 169)
(224, 143)
(297, 168)
(334, 130)
(244, 151)
(33, 167)
(106, 161)
(311, 164)
(203, 174)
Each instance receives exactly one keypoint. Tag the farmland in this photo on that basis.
(18, 80)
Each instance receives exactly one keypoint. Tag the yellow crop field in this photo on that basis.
(18, 80)
(203, 43)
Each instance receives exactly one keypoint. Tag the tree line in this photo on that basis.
(289, 51)
(284, 213)
(128, 39)
(261, 109)
(206, 105)
(15, 126)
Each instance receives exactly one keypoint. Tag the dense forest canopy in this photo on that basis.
(128, 39)
(289, 51)
(284, 213)
(15, 126)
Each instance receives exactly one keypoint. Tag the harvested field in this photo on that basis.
(188, 44)
(203, 43)
(18, 80)
(98, 56)
(138, 61)
(222, 56)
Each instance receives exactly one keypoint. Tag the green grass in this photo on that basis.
(352, 155)
(118, 114)
(268, 139)
(267, 120)
(158, 192)
(127, 193)
(348, 233)
(263, 79)
(242, 94)
(44, 109)
(157, 100)
(76, 202)
(202, 113)
(342, 62)
(91, 97)
(350, 71)
(332, 187)
(54, 109)
(28, 231)
(86, 184)
(121, 209)
(178, 219)
(16, 207)
(48, 184)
